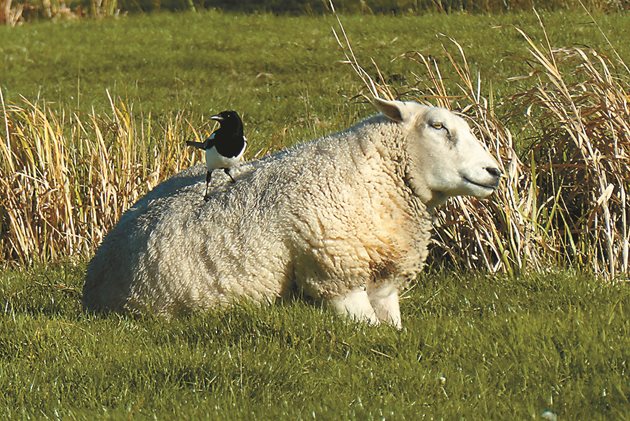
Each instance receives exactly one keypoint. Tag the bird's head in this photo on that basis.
(228, 119)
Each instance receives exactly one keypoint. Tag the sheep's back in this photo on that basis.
(172, 250)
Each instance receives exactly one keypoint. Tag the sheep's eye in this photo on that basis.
(438, 125)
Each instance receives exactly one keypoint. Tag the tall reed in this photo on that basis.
(65, 179)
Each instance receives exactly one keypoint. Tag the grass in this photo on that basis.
(269, 70)
(473, 347)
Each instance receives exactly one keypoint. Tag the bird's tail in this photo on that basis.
(198, 145)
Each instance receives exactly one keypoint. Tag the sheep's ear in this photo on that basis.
(394, 110)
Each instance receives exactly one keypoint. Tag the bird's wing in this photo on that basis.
(210, 141)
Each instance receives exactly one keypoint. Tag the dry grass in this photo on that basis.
(16, 12)
(10, 14)
(583, 159)
(65, 180)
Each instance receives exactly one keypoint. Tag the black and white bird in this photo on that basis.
(224, 147)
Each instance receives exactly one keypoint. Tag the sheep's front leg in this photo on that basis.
(384, 301)
(356, 305)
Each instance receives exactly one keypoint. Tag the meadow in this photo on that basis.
(112, 101)
(473, 346)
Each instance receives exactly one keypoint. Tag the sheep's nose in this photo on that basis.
(494, 171)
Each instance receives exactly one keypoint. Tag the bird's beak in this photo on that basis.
(216, 117)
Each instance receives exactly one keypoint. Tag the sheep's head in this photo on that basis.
(445, 158)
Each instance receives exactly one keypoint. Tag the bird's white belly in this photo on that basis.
(215, 160)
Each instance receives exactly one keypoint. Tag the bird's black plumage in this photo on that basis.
(228, 139)
(225, 146)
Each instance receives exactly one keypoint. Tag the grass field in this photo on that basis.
(474, 346)
(273, 68)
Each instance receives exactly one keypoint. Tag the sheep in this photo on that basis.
(344, 219)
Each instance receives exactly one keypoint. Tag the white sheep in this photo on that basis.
(344, 219)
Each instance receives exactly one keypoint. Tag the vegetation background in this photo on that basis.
(96, 111)
(14, 11)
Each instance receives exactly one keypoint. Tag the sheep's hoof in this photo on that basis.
(355, 305)
(206, 198)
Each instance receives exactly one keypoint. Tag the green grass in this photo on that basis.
(476, 347)
(282, 73)
(263, 64)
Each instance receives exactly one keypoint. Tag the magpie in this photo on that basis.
(224, 147)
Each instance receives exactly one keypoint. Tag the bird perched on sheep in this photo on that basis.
(345, 219)
(224, 148)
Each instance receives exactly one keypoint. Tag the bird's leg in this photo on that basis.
(227, 171)
(208, 177)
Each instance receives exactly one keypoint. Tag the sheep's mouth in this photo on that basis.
(492, 186)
